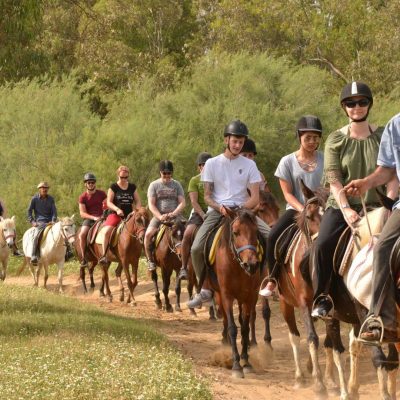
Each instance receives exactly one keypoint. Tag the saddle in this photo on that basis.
(285, 244)
(44, 232)
(91, 236)
(159, 235)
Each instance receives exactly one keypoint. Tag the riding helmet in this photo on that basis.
(249, 147)
(166, 165)
(203, 157)
(353, 89)
(89, 177)
(236, 128)
(308, 123)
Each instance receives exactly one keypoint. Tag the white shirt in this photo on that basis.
(231, 177)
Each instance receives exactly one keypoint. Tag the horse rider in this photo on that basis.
(230, 180)
(383, 303)
(196, 195)
(16, 251)
(307, 164)
(166, 201)
(350, 153)
(41, 211)
(122, 197)
(249, 150)
(90, 209)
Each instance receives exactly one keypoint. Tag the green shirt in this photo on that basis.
(346, 158)
(195, 185)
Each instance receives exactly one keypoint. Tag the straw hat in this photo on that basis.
(43, 185)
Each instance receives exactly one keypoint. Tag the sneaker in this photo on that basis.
(84, 263)
(203, 298)
(268, 291)
(322, 309)
(151, 266)
(34, 260)
(183, 276)
(17, 253)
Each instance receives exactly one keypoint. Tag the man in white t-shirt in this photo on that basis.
(226, 179)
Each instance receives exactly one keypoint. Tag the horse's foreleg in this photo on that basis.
(313, 344)
(106, 281)
(333, 330)
(134, 279)
(91, 271)
(178, 294)
(4, 271)
(154, 278)
(329, 365)
(246, 312)
(266, 314)
(227, 304)
(190, 286)
(166, 276)
(354, 350)
(82, 276)
(60, 275)
(118, 272)
(392, 367)
(253, 316)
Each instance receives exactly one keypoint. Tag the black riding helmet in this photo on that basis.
(353, 89)
(236, 128)
(202, 158)
(249, 147)
(89, 177)
(308, 123)
(166, 165)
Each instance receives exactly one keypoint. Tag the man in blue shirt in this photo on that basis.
(383, 303)
(42, 210)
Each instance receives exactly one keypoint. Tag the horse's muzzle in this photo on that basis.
(250, 267)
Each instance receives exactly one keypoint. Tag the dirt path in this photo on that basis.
(199, 340)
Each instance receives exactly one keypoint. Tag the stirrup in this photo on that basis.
(268, 279)
(368, 321)
(331, 312)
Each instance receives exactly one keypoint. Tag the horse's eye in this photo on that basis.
(235, 233)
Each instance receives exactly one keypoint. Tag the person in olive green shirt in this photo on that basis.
(350, 153)
(196, 194)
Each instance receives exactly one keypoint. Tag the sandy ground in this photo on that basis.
(199, 339)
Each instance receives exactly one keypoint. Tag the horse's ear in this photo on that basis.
(13, 218)
(1, 219)
(230, 212)
(387, 202)
(308, 193)
(72, 216)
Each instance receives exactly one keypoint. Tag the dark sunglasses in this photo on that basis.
(166, 172)
(353, 103)
(124, 177)
(91, 182)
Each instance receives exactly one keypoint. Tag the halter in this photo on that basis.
(11, 235)
(236, 251)
(66, 238)
(135, 232)
(174, 247)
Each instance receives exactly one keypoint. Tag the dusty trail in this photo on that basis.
(199, 340)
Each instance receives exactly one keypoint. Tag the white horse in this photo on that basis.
(7, 238)
(52, 249)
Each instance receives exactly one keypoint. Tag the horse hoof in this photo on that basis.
(169, 308)
(133, 303)
(178, 308)
(237, 373)
(319, 388)
(110, 299)
(253, 343)
(248, 369)
(300, 383)
(121, 298)
(192, 312)
(212, 318)
(101, 294)
(158, 306)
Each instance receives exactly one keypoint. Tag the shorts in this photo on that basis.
(195, 219)
(112, 220)
(88, 222)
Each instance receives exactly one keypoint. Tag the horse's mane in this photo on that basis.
(322, 195)
(7, 223)
(243, 216)
(268, 199)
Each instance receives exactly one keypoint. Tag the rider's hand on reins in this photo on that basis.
(356, 187)
(351, 215)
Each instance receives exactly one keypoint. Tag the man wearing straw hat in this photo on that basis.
(42, 210)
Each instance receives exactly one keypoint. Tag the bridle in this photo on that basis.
(11, 235)
(135, 231)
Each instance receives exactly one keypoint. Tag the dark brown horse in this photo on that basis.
(126, 253)
(237, 269)
(167, 257)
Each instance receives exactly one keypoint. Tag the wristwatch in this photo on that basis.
(345, 206)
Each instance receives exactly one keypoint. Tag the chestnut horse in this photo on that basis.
(126, 252)
(238, 277)
(167, 257)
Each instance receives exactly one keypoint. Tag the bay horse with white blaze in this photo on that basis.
(7, 239)
(238, 277)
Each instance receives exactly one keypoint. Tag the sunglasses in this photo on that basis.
(124, 177)
(353, 103)
(91, 182)
(166, 172)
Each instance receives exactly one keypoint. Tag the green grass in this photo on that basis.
(53, 347)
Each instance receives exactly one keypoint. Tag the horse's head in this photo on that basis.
(309, 219)
(268, 208)
(68, 228)
(244, 239)
(7, 226)
(387, 202)
(177, 227)
(141, 220)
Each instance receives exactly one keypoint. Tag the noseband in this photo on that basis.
(63, 234)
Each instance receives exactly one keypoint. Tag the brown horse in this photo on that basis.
(126, 252)
(295, 292)
(238, 277)
(167, 257)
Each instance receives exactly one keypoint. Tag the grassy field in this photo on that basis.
(53, 347)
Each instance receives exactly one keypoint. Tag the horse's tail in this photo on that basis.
(22, 267)
(305, 267)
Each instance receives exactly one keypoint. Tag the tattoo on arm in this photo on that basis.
(208, 191)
